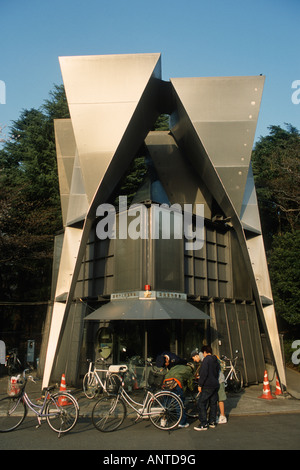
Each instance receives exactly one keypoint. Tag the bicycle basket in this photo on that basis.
(156, 376)
(15, 386)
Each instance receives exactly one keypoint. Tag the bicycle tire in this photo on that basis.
(237, 381)
(90, 385)
(191, 407)
(63, 411)
(12, 413)
(108, 413)
(169, 408)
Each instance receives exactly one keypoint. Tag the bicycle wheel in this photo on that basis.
(237, 381)
(191, 407)
(90, 385)
(108, 413)
(62, 412)
(12, 413)
(166, 409)
(112, 383)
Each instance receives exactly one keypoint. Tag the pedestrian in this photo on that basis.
(197, 358)
(222, 393)
(177, 380)
(208, 386)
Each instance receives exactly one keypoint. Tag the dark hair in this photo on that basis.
(206, 349)
(160, 361)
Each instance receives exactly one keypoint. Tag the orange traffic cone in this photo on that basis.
(63, 400)
(266, 389)
(278, 388)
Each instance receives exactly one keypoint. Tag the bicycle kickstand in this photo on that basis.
(39, 422)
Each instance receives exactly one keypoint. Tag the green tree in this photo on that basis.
(284, 262)
(30, 212)
(275, 160)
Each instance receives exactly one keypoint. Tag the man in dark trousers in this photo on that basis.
(208, 386)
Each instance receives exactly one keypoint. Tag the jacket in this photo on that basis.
(182, 374)
(209, 372)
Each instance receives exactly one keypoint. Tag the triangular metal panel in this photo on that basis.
(224, 112)
(103, 93)
(78, 202)
(65, 153)
(249, 213)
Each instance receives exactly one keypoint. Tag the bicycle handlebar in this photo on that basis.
(228, 359)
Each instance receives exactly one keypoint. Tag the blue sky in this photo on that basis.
(196, 39)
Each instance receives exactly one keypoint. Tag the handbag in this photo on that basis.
(170, 384)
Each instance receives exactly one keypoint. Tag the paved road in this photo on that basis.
(268, 432)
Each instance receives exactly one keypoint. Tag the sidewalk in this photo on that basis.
(242, 404)
(245, 403)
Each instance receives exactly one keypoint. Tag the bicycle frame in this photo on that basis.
(142, 412)
(38, 410)
(231, 368)
(95, 373)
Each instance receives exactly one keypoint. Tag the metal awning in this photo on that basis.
(166, 309)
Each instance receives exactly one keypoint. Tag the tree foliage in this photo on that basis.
(29, 202)
(276, 159)
(284, 262)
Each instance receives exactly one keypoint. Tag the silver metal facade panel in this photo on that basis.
(177, 177)
(224, 112)
(99, 89)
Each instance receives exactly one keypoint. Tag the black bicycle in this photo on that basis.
(13, 363)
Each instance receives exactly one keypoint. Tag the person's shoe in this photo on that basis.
(186, 425)
(212, 425)
(222, 420)
(201, 428)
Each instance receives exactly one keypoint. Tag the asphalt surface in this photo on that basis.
(253, 424)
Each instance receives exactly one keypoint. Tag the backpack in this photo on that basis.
(156, 376)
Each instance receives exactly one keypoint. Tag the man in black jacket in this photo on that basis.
(208, 386)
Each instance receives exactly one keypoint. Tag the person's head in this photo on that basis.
(206, 350)
(195, 356)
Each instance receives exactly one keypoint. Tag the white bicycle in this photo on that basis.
(163, 408)
(234, 377)
(101, 379)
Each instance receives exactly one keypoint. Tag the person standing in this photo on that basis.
(208, 386)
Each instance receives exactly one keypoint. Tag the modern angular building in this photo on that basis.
(146, 288)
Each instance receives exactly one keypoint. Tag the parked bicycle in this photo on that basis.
(60, 409)
(12, 362)
(163, 408)
(98, 380)
(234, 377)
